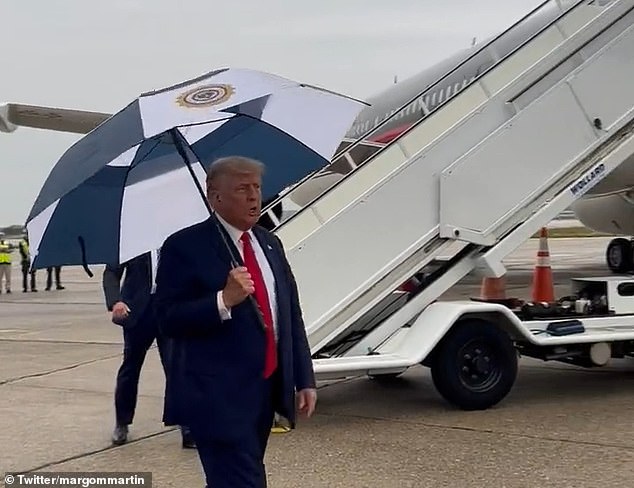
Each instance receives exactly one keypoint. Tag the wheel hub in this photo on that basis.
(481, 365)
(616, 256)
(479, 370)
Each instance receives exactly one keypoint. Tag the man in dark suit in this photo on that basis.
(243, 351)
(132, 308)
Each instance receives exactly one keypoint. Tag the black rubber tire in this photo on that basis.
(490, 360)
(618, 256)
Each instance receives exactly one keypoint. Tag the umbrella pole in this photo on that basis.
(180, 147)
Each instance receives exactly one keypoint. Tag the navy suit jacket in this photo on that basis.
(217, 368)
(136, 288)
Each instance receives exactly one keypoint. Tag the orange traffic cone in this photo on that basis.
(543, 288)
(493, 289)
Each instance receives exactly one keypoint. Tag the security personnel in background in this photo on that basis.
(131, 304)
(5, 263)
(25, 256)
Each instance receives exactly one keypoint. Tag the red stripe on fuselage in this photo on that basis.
(390, 135)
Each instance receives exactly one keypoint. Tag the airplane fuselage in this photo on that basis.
(607, 207)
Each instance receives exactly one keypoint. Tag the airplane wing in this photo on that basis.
(14, 115)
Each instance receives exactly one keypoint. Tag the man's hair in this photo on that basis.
(232, 165)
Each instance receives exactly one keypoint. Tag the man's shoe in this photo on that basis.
(120, 435)
(280, 426)
(60, 287)
(188, 440)
(280, 429)
(189, 443)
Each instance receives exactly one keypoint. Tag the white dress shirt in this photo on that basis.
(154, 261)
(265, 267)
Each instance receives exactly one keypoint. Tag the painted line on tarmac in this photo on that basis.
(483, 431)
(96, 451)
(57, 370)
(52, 341)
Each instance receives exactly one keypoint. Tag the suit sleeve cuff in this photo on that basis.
(225, 313)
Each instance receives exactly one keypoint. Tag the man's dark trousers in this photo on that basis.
(49, 277)
(217, 457)
(25, 275)
(138, 338)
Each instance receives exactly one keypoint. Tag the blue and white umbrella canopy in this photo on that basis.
(124, 188)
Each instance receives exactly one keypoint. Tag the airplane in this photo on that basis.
(607, 208)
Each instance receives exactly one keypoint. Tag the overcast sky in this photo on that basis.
(99, 55)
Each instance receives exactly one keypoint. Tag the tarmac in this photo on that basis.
(561, 426)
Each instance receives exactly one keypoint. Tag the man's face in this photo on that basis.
(237, 197)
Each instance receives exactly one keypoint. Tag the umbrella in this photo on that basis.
(121, 190)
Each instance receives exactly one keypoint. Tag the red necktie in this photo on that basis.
(262, 298)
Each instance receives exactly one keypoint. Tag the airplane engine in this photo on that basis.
(5, 124)
(611, 214)
(300, 197)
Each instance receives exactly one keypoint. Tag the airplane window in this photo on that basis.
(422, 106)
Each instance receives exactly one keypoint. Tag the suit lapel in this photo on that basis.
(218, 231)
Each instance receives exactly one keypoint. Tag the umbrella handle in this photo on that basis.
(82, 245)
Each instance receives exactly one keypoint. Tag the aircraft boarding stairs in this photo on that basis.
(486, 169)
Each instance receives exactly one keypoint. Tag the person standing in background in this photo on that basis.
(25, 255)
(49, 278)
(5, 263)
(132, 308)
